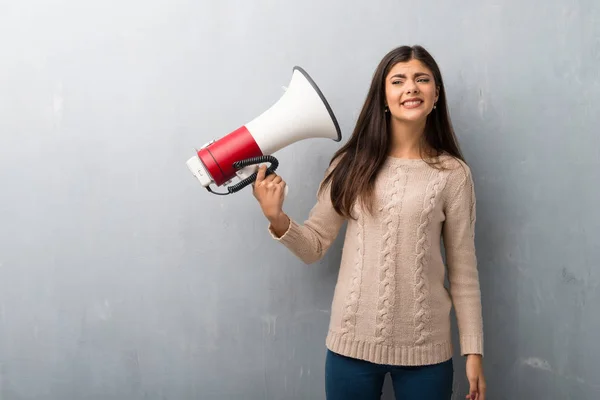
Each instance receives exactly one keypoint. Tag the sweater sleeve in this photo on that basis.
(311, 240)
(459, 244)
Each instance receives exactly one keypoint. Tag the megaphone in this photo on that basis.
(301, 113)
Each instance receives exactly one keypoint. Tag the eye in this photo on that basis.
(396, 82)
(424, 80)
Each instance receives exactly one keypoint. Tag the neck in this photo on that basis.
(407, 139)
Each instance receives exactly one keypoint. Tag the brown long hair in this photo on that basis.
(359, 160)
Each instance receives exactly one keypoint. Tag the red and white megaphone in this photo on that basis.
(301, 113)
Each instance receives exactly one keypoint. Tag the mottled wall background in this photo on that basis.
(120, 278)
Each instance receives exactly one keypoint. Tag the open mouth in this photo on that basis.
(412, 103)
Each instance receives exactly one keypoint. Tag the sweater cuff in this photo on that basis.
(471, 344)
(291, 231)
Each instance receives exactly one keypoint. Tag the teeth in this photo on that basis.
(412, 103)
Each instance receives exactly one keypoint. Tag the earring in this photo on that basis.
(386, 109)
(434, 106)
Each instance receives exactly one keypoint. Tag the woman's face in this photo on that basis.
(410, 91)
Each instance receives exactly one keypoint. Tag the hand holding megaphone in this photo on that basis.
(270, 191)
(248, 171)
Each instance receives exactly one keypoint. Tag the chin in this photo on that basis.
(412, 117)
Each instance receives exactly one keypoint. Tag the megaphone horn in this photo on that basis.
(301, 113)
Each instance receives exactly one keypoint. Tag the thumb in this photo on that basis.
(260, 176)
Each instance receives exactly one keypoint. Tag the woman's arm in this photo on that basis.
(308, 241)
(459, 243)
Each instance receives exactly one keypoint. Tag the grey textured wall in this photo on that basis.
(120, 278)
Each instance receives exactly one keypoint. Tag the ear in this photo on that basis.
(437, 93)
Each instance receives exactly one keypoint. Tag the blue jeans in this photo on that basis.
(348, 379)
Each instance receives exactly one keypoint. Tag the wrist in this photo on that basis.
(279, 224)
(276, 217)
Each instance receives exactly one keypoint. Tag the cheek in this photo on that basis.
(388, 92)
(430, 93)
(392, 95)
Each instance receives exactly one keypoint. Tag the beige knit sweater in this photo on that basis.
(390, 305)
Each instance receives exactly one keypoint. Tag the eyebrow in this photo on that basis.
(418, 74)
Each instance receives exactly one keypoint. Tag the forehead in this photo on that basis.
(409, 68)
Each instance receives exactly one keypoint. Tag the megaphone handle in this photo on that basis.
(258, 160)
(249, 170)
(242, 165)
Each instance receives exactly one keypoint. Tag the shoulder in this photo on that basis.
(333, 164)
(459, 181)
(457, 170)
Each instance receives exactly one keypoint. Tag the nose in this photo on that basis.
(411, 87)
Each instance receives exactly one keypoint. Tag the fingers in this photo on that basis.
(482, 389)
(472, 389)
(264, 184)
(260, 176)
(263, 178)
(280, 186)
(275, 185)
(271, 177)
(476, 390)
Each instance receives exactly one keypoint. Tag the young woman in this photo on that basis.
(402, 185)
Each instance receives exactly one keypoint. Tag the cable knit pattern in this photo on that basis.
(390, 305)
(421, 283)
(349, 319)
(388, 256)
